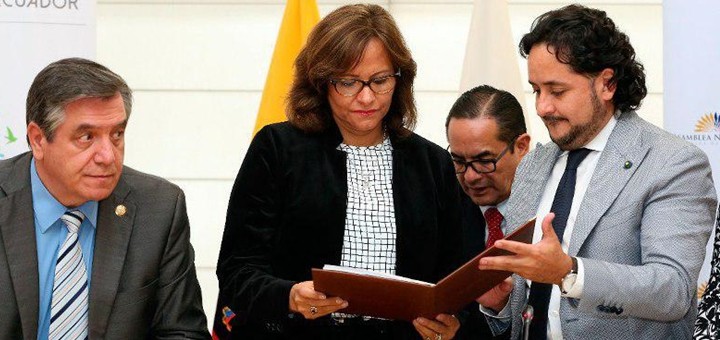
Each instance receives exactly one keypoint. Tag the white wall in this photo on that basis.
(198, 67)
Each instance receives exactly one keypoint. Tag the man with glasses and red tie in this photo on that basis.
(487, 136)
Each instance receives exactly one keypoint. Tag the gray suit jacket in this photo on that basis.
(641, 233)
(143, 281)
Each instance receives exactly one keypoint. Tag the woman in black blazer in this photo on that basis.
(344, 182)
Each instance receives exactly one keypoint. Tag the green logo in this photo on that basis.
(10, 136)
(9, 139)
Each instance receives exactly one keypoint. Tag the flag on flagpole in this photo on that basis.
(299, 19)
(491, 54)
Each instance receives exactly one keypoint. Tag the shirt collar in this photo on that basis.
(385, 145)
(500, 207)
(48, 209)
(598, 143)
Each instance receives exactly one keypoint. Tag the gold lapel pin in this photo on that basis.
(628, 164)
(120, 210)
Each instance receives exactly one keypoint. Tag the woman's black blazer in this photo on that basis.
(286, 215)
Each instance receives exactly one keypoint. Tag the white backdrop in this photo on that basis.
(35, 33)
(197, 69)
(692, 86)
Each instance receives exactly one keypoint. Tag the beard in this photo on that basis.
(580, 135)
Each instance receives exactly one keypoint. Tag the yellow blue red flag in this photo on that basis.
(299, 19)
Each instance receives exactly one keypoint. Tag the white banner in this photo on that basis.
(692, 89)
(34, 33)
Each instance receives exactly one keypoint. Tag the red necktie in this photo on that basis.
(493, 218)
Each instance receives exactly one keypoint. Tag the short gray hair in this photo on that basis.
(68, 80)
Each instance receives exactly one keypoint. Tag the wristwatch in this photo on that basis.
(569, 280)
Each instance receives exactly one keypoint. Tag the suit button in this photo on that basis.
(601, 308)
(272, 327)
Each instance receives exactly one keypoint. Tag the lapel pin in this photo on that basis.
(628, 164)
(120, 210)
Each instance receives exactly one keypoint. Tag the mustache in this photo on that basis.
(552, 119)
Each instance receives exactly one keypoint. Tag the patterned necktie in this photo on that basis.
(540, 292)
(69, 309)
(494, 219)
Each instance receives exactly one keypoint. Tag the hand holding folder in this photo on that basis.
(395, 297)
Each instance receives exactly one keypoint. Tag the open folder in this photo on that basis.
(394, 297)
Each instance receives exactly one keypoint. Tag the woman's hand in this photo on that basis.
(311, 304)
(443, 327)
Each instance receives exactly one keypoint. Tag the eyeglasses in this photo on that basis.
(349, 87)
(481, 166)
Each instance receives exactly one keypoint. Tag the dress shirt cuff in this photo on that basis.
(498, 322)
(503, 314)
(576, 290)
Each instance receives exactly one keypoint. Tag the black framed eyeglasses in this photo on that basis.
(481, 166)
(349, 87)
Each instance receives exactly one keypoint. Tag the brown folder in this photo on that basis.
(391, 298)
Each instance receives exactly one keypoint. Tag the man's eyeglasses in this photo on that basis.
(481, 166)
(349, 87)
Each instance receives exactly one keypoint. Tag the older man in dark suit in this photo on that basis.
(90, 248)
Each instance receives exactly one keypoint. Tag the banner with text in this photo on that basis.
(692, 90)
(34, 33)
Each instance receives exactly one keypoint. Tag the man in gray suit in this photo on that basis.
(90, 248)
(624, 208)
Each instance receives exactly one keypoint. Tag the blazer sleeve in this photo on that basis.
(179, 313)
(244, 271)
(675, 224)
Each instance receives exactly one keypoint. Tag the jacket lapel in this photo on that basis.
(526, 193)
(411, 260)
(17, 224)
(405, 261)
(111, 245)
(610, 177)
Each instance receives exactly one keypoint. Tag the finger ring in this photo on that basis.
(313, 310)
(438, 336)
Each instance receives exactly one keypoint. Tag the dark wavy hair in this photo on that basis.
(588, 41)
(336, 45)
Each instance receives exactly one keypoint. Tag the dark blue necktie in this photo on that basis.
(540, 292)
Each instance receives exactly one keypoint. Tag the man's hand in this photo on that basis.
(544, 261)
(311, 304)
(497, 297)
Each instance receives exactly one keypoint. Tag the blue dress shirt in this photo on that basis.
(50, 232)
